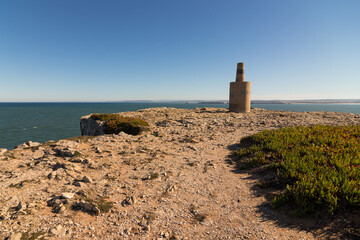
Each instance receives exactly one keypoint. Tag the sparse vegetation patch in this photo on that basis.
(319, 164)
(115, 124)
(33, 236)
(81, 139)
(19, 185)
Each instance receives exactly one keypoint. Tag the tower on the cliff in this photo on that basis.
(240, 92)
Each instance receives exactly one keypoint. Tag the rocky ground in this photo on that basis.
(177, 181)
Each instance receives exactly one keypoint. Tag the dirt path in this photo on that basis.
(177, 182)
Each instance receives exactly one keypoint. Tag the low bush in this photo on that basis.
(115, 124)
(320, 164)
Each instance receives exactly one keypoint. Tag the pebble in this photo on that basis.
(87, 179)
(67, 195)
(58, 231)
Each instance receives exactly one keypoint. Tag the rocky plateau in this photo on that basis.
(177, 181)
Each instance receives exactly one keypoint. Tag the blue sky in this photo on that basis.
(83, 50)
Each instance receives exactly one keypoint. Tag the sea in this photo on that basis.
(41, 122)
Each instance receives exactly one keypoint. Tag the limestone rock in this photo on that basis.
(67, 195)
(27, 145)
(191, 152)
(79, 184)
(87, 179)
(67, 144)
(2, 151)
(56, 201)
(57, 174)
(38, 154)
(59, 209)
(86, 207)
(58, 231)
(91, 127)
(65, 152)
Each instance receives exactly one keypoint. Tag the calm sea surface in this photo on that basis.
(41, 122)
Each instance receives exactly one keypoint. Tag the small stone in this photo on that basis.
(33, 144)
(128, 201)
(67, 195)
(57, 174)
(81, 193)
(171, 188)
(27, 145)
(64, 152)
(87, 179)
(59, 209)
(19, 207)
(79, 184)
(76, 160)
(38, 154)
(146, 228)
(58, 231)
(87, 207)
(87, 161)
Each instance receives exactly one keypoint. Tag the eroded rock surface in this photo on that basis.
(174, 182)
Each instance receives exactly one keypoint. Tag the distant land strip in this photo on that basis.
(316, 101)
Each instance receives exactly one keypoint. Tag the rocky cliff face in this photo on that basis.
(91, 127)
(99, 124)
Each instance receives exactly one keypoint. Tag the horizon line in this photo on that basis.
(190, 100)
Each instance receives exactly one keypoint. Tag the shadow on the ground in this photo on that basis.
(343, 224)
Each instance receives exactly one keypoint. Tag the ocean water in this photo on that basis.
(41, 122)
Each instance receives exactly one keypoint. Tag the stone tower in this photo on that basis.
(240, 92)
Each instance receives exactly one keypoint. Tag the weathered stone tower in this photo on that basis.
(240, 92)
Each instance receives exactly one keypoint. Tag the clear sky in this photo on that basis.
(85, 50)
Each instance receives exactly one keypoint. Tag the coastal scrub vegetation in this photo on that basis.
(115, 124)
(318, 167)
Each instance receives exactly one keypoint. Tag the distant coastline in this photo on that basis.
(310, 101)
(220, 101)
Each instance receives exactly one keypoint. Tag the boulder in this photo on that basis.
(28, 144)
(65, 152)
(91, 127)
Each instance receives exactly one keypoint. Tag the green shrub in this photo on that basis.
(153, 176)
(320, 163)
(115, 124)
